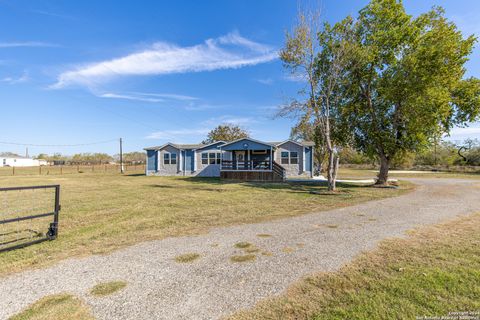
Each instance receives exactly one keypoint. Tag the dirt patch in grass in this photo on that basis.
(431, 273)
(243, 258)
(59, 306)
(187, 258)
(107, 288)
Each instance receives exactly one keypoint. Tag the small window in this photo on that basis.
(166, 158)
(219, 158)
(212, 157)
(284, 157)
(173, 158)
(204, 158)
(293, 157)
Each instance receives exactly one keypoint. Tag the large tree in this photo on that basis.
(317, 53)
(226, 132)
(405, 81)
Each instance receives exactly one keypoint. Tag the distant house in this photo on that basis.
(243, 159)
(18, 161)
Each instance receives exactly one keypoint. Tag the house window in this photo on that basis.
(293, 157)
(284, 157)
(173, 158)
(212, 156)
(219, 157)
(204, 158)
(166, 158)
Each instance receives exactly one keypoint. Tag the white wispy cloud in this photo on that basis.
(167, 96)
(128, 97)
(294, 78)
(145, 97)
(52, 14)
(227, 119)
(227, 52)
(267, 81)
(179, 135)
(14, 80)
(27, 44)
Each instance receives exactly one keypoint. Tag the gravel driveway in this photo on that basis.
(213, 286)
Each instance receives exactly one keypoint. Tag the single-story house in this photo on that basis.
(242, 159)
(19, 161)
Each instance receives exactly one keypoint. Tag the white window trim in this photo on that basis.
(303, 165)
(176, 158)
(194, 160)
(179, 162)
(163, 158)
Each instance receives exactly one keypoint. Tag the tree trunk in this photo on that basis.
(335, 171)
(331, 171)
(384, 167)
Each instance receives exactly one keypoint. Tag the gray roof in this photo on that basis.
(201, 145)
(303, 143)
(183, 146)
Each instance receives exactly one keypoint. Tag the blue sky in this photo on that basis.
(76, 72)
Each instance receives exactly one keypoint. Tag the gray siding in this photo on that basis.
(207, 170)
(292, 170)
(168, 169)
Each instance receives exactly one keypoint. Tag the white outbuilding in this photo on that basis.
(18, 161)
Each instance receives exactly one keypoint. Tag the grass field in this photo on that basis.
(433, 272)
(104, 212)
(349, 173)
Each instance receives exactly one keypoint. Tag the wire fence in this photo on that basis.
(71, 169)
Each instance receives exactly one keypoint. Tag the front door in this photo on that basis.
(240, 157)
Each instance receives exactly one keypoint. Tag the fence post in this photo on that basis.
(13, 170)
(61, 169)
(40, 170)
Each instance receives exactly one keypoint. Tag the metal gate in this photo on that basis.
(28, 215)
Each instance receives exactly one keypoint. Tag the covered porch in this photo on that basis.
(247, 155)
(248, 159)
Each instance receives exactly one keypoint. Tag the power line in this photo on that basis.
(56, 145)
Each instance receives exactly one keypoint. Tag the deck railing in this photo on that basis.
(251, 165)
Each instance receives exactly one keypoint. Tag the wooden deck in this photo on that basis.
(276, 174)
(264, 176)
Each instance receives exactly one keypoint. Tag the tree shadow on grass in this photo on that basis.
(307, 186)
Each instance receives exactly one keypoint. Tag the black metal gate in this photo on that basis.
(28, 215)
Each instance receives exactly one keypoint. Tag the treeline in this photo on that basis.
(443, 154)
(93, 158)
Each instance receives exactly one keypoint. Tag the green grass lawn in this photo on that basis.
(59, 306)
(433, 272)
(103, 212)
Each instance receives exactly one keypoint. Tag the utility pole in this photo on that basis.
(121, 157)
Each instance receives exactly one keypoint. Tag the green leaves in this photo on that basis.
(226, 132)
(405, 79)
